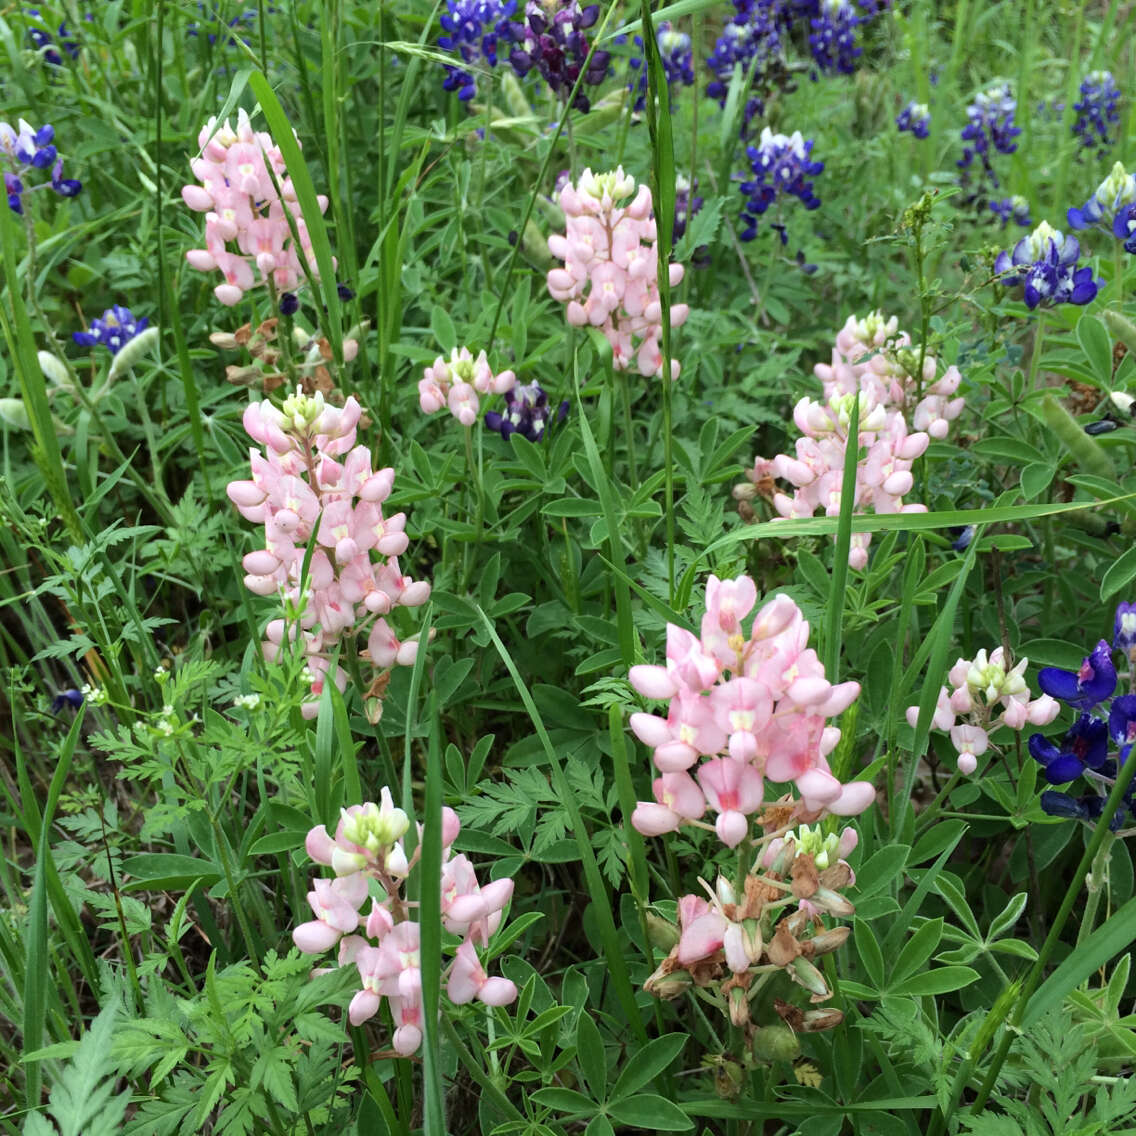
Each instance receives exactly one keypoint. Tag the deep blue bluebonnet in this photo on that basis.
(1101, 738)
(473, 29)
(43, 38)
(833, 37)
(526, 413)
(678, 62)
(552, 41)
(114, 330)
(1097, 112)
(26, 150)
(1014, 209)
(1112, 208)
(751, 41)
(916, 118)
(1046, 263)
(1124, 630)
(781, 168)
(72, 698)
(990, 128)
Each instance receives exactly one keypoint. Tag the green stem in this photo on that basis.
(1096, 882)
(1035, 359)
(474, 470)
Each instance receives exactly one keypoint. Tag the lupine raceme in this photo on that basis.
(749, 709)
(609, 279)
(366, 853)
(242, 205)
(874, 363)
(313, 479)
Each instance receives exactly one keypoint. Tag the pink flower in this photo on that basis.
(609, 277)
(242, 206)
(468, 980)
(336, 906)
(732, 790)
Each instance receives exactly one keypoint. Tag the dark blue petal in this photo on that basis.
(1062, 805)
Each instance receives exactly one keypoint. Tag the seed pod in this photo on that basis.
(775, 1043)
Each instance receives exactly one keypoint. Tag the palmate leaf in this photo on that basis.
(83, 1101)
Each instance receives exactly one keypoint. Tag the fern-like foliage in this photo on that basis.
(83, 1101)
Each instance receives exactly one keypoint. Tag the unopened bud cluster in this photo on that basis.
(300, 487)
(610, 275)
(369, 861)
(459, 383)
(986, 693)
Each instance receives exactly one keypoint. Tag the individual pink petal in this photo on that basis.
(363, 1006)
(315, 937)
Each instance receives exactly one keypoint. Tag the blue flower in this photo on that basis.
(781, 167)
(1110, 206)
(1047, 261)
(1122, 725)
(26, 150)
(72, 698)
(990, 126)
(1097, 111)
(1014, 209)
(1087, 808)
(552, 40)
(473, 29)
(527, 413)
(678, 62)
(43, 39)
(114, 331)
(686, 205)
(1085, 747)
(751, 41)
(833, 38)
(914, 117)
(1124, 629)
(1085, 688)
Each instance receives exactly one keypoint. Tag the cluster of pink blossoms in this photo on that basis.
(610, 274)
(459, 383)
(754, 706)
(299, 486)
(874, 365)
(384, 943)
(981, 688)
(242, 205)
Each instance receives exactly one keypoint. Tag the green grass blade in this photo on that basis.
(601, 902)
(324, 288)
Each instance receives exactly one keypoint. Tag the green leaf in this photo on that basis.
(648, 1062)
(1009, 915)
(917, 950)
(572, 507)
(1014, 947)
(1096, 345)
(949, 888)
(878, 872)
(564, 1100)
(591, 1057)
(1119, 574)
(940, 981)
(168, 871)
(650, 1111)
(1035, 478)
(869, 951)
